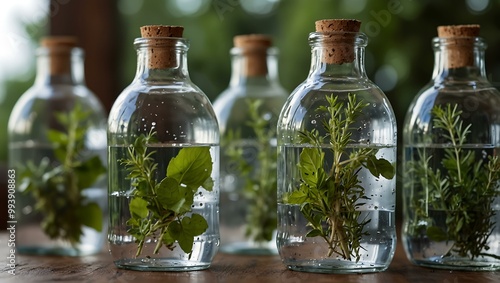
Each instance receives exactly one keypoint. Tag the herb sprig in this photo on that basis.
(162, 209)
(261, 182)
(464, 189)
(58, 189)
(329, 198)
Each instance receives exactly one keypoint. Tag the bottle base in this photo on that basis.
(458, 264)
(337, 267)
(162, 264)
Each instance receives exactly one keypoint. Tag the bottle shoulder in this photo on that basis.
(479, 105)
(305, 110)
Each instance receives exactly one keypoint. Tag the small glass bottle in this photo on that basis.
(248, 111)
(451, 172)
(336, 162)
(57, 149)
(163, 141)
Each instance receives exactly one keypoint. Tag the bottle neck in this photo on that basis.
(337, 55)
(253, 65)
(161, 59)
(459, 59)
(60, 65)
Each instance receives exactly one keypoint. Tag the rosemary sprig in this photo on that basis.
(464, 189)
(163, 210)
(329, 199)
(260, 182)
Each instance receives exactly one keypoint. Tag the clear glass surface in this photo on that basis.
(475, 244)
(166, 102)
(374, 129)
(248, 196)
(36, 114)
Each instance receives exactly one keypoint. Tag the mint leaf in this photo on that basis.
(195, 225)
(192, 166)
(170, 195)
(138, 207)
(185, 231)
(296, 197)
(310, 165)
(379, 167)
(208, 184)
(176, 232)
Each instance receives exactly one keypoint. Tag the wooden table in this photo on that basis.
(225, 268)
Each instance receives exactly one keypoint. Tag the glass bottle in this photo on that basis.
(336, 162)
(248, 111)
(163, 141)
(450, 167)
(57, 151)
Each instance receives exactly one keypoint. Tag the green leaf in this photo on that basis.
(194, 226)
(379, 167)
(186, 242)
(296, 197)
(174, 230)
(436, 234)
(91, 215)
(177, 232)
(89, 171)
(313, 233)
(138, 207)
(310, 164)
(57, 137)
(170, 195)
(208, 184)
(192, 166)
(185, 231)
(168, 240)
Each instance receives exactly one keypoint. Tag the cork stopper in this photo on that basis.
(339, 48)
(460, 43)
(165, 57)
(254, 48)
(59, 52)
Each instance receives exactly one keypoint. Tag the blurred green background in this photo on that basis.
(399, 57)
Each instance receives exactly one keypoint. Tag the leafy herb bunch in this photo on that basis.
(260, 182)
(162, 209)
(464, 188)
(57, 185)
(329, 198)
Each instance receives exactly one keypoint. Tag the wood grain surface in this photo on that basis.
(225, 268)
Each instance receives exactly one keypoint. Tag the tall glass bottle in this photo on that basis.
(451, 166)
(248, 110)
(163, 141)
(57, 152)
(336, 162)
